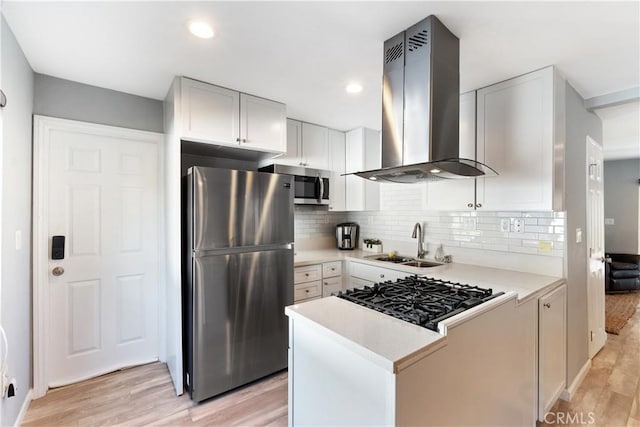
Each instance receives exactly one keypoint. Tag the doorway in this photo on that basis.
(96, 243)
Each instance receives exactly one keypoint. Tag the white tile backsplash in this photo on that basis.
(315, 221)
(473, 237)
(468, 229)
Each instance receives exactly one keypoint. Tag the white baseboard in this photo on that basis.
(568, 393)
(23, 409)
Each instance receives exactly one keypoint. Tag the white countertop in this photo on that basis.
(393, 343)
(385, 340)
(525, 285)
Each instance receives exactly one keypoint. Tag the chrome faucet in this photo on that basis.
(417, 233)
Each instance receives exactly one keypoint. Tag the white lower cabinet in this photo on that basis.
(552, 345)
(317, 281)
(361, 274)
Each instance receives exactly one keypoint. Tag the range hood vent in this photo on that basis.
(421, 108)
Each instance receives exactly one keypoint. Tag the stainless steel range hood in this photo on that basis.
(420, 108)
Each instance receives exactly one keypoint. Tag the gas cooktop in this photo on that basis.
(419, 300)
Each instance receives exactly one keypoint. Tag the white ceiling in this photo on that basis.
(303, 54)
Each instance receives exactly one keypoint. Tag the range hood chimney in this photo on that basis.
(420, 108)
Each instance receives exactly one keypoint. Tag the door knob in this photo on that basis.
(57, 271)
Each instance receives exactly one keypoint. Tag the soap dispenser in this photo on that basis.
(439, 255)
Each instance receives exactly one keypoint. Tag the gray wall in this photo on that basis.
(579, 124)
(621, 192)
(17, 83)
(76, 101)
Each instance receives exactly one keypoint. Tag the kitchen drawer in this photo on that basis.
(307, 290)
(332, 269)
(357, 283)
(331, 285)
(375, 274)
(308, 273)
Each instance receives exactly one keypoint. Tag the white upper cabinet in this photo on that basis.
(337, 201)
(307, 145)
(517, 128)
(262, 124)
(293, 154)
(212, 114)
(516, 137)
(459, 194)
(315, 146)
(363, 152)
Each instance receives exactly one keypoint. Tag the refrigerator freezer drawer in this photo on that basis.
(238, 327)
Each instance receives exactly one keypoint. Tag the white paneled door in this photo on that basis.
(100, 191)
(595, 240)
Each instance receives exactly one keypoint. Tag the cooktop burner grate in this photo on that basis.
(419, 300)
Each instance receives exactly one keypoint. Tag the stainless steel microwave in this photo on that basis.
(311, 186)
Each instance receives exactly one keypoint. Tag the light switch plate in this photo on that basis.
(578, 235)
(609, 221)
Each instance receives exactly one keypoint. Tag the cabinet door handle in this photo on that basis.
(326, 284)
(306, 290)
(306, 274)
(479, 205)
(244, 140)
(382, 276)
(547, 305)
(333, 269)
(469, 205)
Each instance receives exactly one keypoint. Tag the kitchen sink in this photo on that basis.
(421, 264)
(404, 260)
(395, 259)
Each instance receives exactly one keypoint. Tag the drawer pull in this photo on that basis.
(306, 290)
(306, 274)
(333, 269)
(382, 276)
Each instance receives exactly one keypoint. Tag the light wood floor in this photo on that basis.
(144, 396)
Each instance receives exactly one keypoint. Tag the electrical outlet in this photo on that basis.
(517, 225)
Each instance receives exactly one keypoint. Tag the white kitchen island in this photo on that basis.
(350, 365)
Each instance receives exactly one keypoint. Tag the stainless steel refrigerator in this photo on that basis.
(239, 277)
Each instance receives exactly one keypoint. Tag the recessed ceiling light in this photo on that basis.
(201, 29)
(373, 178)
(354, 88)
(435, 171)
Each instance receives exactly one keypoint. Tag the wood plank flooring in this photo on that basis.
(144, 395)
